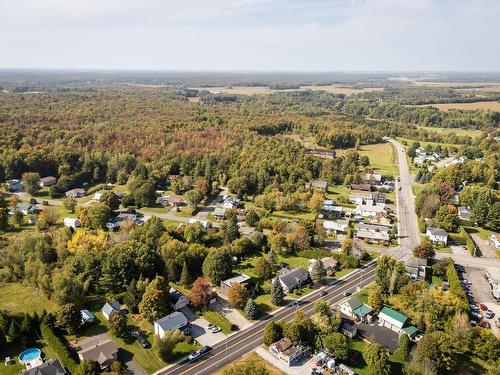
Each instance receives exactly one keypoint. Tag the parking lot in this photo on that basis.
(199, 329)
(481, 294)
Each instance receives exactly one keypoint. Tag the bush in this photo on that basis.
(471, 246)
(57, 345)
(458, 239)
(421, 224)
(313, 253)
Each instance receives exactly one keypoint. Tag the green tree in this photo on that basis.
(30, 181)
(404, 347)
(246, 368)
(97, 215)
(164, 347)
(133, 296)
(110, 199)
(272, 259)
(339, 345)
(155, 301)
(375, 299)
(193, 197)
(68, 288)
(447, 218)
(18, 218)
(263, 269)
(88, 367)
(185, 279)
(377, 359)
(13, 331)
(436, 347)
(252, 218)
(273, 332)
(217, 266)
(70, 204)
(118, 325)
(251, 309)
(318, 272)
(194, 233)
(231, 230)
(4, 213)
(68, 318)
(277, 293)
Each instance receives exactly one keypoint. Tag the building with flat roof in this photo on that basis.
(493, 276)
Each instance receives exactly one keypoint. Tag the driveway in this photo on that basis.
(459, 250)
(485, 247)
(230, 313)
(378, 333)
(299, 368)
(199, 329)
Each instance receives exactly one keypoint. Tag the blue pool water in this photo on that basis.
(30, 355)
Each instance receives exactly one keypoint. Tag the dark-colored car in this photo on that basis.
(323, 293)
(144, 343)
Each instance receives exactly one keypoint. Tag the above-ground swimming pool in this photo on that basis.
(30, 355)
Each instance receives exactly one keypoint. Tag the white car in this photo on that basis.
(488, 314)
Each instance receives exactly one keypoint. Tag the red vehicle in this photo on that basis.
(484, 324)
(483, 307)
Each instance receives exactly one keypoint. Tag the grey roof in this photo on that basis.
(109, 307)
(437, 232)
(294, 277)
(50, 367)
(172, 322)
(175, 295)
(236, 279)
(101, 353)
(354, 303)
(373, 227)
(415, 262)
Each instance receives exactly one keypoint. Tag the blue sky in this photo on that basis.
(255, 35)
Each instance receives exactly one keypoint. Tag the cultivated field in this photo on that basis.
(461, 132)
(254, 90)
(492, 106)
(381, 157)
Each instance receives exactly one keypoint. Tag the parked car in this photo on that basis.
(488, 314)
(199, 353)
(483, 307)
(476, 315)
(143, 342)
(474, 308)
(483, 323)
(214, 328)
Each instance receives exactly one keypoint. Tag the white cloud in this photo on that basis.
(252, 34)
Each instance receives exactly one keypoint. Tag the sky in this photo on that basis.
(252, 35)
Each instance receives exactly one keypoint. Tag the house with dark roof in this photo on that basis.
(293, 279)
(348, 329)
(417, 269)
(355, 308)
(111, 308)
(437, 235)
(362, 187)
(243, 279)
(171, 322)
(50, 367)
(104, 353)
(170, 201)
(47, 181)
(75, 193)
(317, 185)
(25, 208)
(177, 299)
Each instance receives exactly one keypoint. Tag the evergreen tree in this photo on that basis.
(251, 309)
(272, 333)
(272, 259)
(277, 294)
(13, 331)
(318, 273)
(132, 297)
(231, 230)
(404, 347)
(185, 279)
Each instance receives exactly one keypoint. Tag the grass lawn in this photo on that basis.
(363, 293)
(460, 132)
(215, 318)
(308, 216)
(294, 261)
(17, 299)
(484, 234)
(335, 191)
(171, 223)
(12, 350)
(154, 210)
(360, 365)
(254, 357)
(264, 303)
(381, 157)
(298, 293)
(437, 281)
(445, 249)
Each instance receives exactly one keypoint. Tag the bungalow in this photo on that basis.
(204, 223)
(369, 210)
(355, 308)
(331, 210)
(230, 202)
(87, 316)
(374, 228)
(329, 263)
(464, 213)
(14, 185)
(378, 237)
(285, 351)
(219, 213)
(324, 154)
(362, 187)
(416, 268)
(293, 279)
(382, 218)
(104, 353)
(72, 222)
(225, 285)
(97, 197)
(110, 308)
(172, 322)
(437, 235)
(47, 181)
(317, 185)
(171, 201)
(25, 208)
(495, 240)
(75, 193)
(372, 178)
(177, 299)
(50, 367)
(335, 227)
(359, 198)
(392, 319)
(348, 329)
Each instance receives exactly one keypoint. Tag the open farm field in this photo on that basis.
(492, 106)
(460, 132)
(381, 157)
(254, 90)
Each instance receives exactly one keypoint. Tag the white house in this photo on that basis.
(72, 222)
(230, 202)
(25, 208)
(75, 193)
(111, 308)
(369, 210)
(97, 197)
(47, 181)
(177, 299)
(172, 322)
(204, 223)
(286, 352)
(355, 308)
(334, 227)
(495, 240)
(437, 235)
(392, 319)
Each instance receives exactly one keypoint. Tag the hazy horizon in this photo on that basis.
(314, 36)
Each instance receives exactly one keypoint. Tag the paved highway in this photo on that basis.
(245, 341)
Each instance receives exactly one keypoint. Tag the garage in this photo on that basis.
(392, 319)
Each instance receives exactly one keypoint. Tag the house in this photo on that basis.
(378, 197)
(117, 221)
(171, 201)
(324, 154)
(329, 263)
(75, 193)
(177, 299)
(97, 197)
(110, 308)
(225, 285)
(285, 351)
(87, 316)
(14, 185)
(355, 308)
(392, 319)
(293, 279)
(374, 228)
(330, 209)
(495, 240)
(358, 249)
(369, 210)
(47, 181)
(382, 218)
(172, 322)
(335, 227)
(204, 223)
(378, 237)
(362, 187)
(411, 331)
(493, 276)
(372, 178)
(25, 208)
(219, 213)
(50, 367)
(230, 202)
(104, 353)
(72, 222)
(417, 269)
(359, 198)
(464, 213)
(348, 329)
(437, 235)
(317, 185)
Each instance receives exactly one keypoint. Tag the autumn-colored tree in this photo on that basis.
(201, 292)
(424, 250)
(238, 295)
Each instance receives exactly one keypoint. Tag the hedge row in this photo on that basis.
(469, 243)
(52, 340)
(455, 284)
